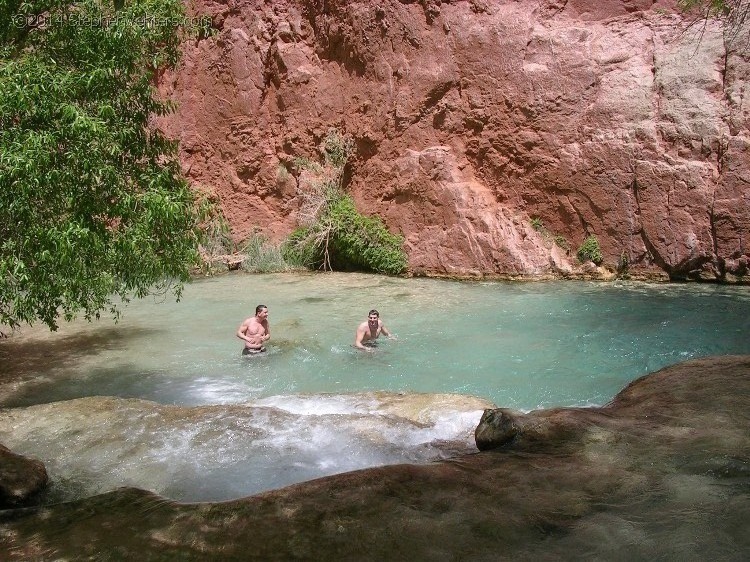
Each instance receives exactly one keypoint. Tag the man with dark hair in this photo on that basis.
(369, 330)
(255, 330)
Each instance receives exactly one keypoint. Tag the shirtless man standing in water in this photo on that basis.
(255, 331)
(370, 330)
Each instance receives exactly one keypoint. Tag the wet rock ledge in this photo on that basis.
(662, 472)
(22, 480)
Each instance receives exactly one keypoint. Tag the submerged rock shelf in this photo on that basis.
(661, 472)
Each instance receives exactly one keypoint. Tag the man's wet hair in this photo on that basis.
(259, 308)
(375, 312)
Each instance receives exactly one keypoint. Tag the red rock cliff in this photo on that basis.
(473, 117)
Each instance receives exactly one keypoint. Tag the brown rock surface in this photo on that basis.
(659, 474)
(473, 117)
(22, 479)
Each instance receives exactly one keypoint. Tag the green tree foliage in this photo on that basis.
(363, 243)
(92, 201)
(333, 234)
(590, 251)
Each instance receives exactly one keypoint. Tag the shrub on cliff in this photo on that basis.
(356, 242)
(263, 256)
(590, 251)
(92, 200)
(333, 234)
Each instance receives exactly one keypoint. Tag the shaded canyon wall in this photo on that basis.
(471, 118)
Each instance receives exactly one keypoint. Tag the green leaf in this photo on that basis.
(92, 201)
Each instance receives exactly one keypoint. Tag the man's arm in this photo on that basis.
(385, 332)
(242, 332)
(267, 335)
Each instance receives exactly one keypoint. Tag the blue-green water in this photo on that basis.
(520, 345)
(229, 426)
(304, 409)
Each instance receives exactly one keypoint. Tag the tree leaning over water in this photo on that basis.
(92, 201)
